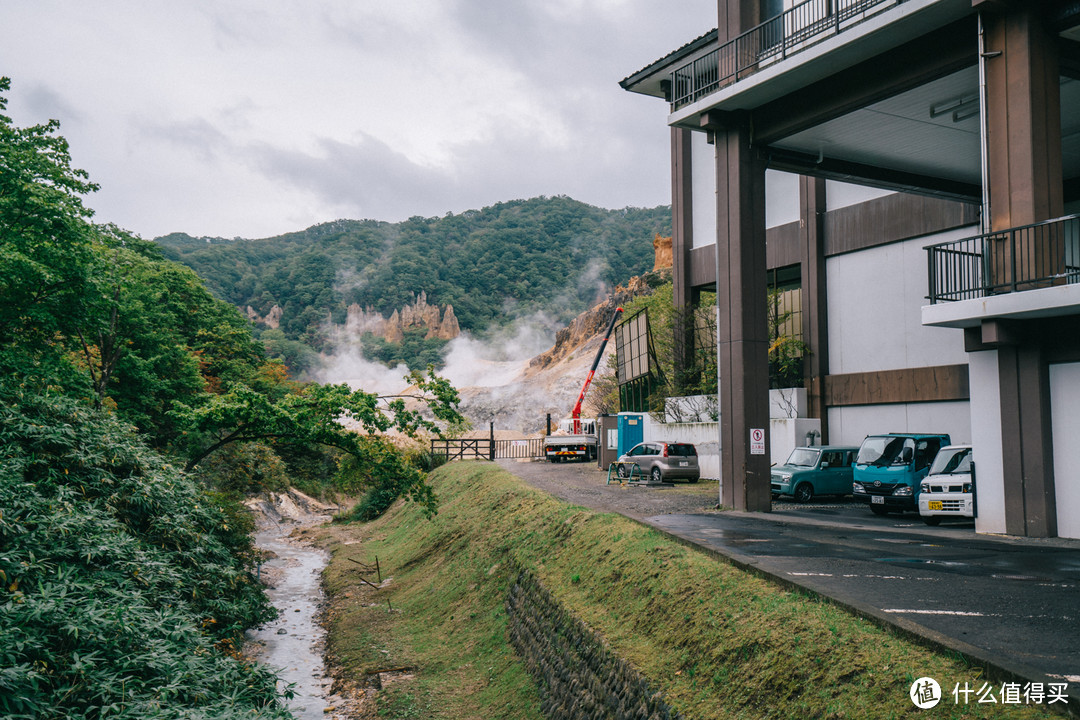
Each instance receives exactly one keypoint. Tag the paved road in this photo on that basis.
(1014, 602)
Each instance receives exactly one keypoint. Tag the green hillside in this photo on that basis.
(512, 258)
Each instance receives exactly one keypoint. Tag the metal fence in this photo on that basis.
(488, 449)
(529, 448)
(1023, 258)
(790, 32)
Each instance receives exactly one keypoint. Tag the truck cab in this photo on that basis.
(889, 469)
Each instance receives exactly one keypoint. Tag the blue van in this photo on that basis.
(889, 468)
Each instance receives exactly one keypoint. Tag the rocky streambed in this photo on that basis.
(293, 644)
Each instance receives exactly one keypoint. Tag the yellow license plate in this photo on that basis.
(934, 505)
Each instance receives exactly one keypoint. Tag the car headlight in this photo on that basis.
(967, 487)
(925, 487)
(902, 491)
(857, 488)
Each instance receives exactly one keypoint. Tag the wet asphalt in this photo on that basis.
(1011, 605)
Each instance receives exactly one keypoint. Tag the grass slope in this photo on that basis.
(718, 642)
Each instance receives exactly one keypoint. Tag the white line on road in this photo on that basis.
(940, 612)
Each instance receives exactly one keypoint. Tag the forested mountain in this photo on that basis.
(550, 253)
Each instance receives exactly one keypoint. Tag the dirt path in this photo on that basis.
(583, 484)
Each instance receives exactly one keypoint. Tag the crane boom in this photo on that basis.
(576, 414)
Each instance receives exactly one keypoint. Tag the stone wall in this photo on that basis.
(578, 676)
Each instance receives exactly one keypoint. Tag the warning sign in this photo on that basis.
(757, 441)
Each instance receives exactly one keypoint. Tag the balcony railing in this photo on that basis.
(1023, 258)
(792, 31)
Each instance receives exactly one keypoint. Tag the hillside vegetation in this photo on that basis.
(135, 408)
(716, 641)
(506, 260)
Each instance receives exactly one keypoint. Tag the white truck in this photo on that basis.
(567, 445)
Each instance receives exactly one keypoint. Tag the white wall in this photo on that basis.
(841, 194)
(1065, 417)
(849, 425)
(703, 179)
(875, 310)
(986, 441)
(781, 198)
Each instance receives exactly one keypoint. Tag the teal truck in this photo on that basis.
(889, 469)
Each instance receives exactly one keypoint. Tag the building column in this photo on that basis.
(742, 335)
(815, 315)
(1025, 177)
(682, 241)
(1026, 435)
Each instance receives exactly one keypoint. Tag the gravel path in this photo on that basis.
(583, 484)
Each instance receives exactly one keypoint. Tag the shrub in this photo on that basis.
(124, 588)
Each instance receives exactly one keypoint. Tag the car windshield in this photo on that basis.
(955, 461)
(803, 457)
(884, 450)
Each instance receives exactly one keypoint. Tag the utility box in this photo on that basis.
(608, 440)
(631, 431)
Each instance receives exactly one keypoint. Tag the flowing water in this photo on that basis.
(292, 644)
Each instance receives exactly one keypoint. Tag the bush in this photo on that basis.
(124, 588)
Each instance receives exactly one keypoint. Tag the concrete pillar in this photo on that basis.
(1024, 125)
(815, 296)
(682, 241)
(742, 336)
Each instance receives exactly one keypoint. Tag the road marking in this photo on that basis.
(960, 613)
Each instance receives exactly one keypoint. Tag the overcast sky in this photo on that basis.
(257, 117)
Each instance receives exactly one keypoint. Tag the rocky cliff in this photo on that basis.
(438, 323)
(593, 322)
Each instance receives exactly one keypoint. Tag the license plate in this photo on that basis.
(684, 464)
(934, 505)
(877, 500)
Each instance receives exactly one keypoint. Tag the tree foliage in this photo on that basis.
(506, 260)
(122, 583)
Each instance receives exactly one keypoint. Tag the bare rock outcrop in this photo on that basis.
(662, 252)
(419, 314)
(272, 319)
(592, 322)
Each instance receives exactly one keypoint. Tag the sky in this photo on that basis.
(251, 118)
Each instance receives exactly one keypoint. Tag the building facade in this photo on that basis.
(909, 167)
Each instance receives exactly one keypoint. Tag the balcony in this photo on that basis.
(1031, 257)
(1023, 273)
(787, 34)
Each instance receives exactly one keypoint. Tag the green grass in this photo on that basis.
(717, 641)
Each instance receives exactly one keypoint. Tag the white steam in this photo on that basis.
(500, 359)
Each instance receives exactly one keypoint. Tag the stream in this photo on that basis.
(292, 645)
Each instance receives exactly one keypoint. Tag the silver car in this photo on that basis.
(660, 460)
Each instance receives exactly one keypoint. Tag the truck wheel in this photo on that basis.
(878, 510)
(931, 520)
(656, 475)
(804, 492)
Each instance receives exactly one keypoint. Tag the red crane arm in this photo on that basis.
(576, 414)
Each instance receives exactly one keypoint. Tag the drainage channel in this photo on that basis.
(293, 644)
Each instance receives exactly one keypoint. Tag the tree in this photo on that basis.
(46, 250)
(332, 415)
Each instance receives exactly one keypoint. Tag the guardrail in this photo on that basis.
(1028, 257)
(793, 31)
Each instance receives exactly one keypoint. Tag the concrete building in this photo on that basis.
(909, 165)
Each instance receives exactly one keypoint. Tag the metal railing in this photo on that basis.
(488, 449)
(528, 448)
(1029, 257)
(790, 32)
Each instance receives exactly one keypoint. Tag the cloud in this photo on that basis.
(260, 117)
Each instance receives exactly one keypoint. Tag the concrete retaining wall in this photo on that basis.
(579, 677)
